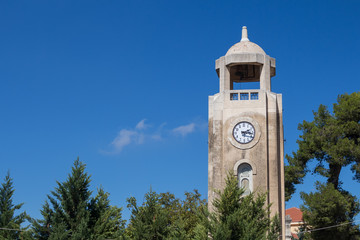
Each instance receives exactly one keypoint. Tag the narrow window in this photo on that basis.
(254, 96)
(234, 96)
(244, 96)
(245, 178)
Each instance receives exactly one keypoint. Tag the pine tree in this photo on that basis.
(8, 219)
(332, 140)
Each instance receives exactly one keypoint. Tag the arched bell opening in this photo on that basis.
(245, 76)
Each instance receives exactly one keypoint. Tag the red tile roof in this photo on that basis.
(295, 214)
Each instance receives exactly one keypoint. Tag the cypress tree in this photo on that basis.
(149, 221)
(238, 217)
(70, 203)
(163, 216)
(105, 219)
(73, 214)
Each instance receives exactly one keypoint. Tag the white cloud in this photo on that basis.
(141, 125)
(124, 137)
(142, 133)
(185, 129)
(127, 137)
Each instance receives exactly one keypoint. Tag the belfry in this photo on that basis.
(246, 125)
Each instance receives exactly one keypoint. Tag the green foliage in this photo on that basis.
(74, 215)
(332, 139)
(105, 219)
(238, 217)
(189, 211)
(8, 218)
(41, 227)
(329, 207)
(163, 216)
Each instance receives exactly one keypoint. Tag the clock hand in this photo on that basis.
(244, 133)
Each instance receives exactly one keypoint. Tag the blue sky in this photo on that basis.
(124, 85)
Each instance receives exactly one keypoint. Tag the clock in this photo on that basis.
(244, 132)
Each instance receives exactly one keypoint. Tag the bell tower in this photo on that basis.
(246, 125)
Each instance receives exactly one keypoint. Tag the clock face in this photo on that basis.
(244, 132)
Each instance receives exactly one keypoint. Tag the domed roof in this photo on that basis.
(245, 46)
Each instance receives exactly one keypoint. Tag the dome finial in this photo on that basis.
(244, 37)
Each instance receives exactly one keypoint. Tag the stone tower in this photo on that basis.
(246, 125)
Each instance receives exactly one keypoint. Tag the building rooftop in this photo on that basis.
(295, 214)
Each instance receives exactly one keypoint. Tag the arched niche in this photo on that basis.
(244, 171)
